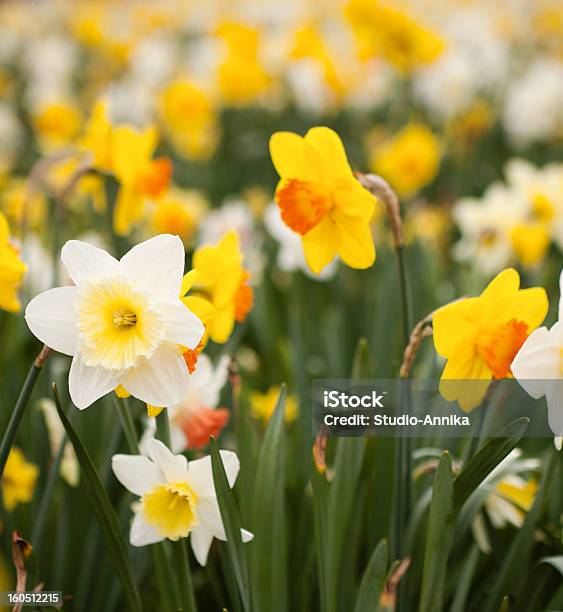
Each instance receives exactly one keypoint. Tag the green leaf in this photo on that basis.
(439, 538)
(270, 579)
(362, 367)
(516, 560)
(107, 518)
(373, 580)
(486, 459)
(320, 488)
(231, 522)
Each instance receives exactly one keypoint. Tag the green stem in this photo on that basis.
(163, 427)
(127, 424)
(184, 575)
(21, 405)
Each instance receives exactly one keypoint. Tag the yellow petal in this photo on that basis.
(153, 411)
(505, 282)
(221, 324)
(320, 245)
(356, 247)
(132, 151)
(330, 149)
(190, 278)
(201, 307)
(128, 210)
(452, 324)
(121, 391)
(294, 158)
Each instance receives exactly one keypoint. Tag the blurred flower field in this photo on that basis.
(205, 206)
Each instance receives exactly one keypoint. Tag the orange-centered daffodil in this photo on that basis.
(320, 199)
(480, 336)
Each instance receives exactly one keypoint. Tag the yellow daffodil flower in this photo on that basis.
(410, 160)
(56, 124)
(262, 405)
(320, 199)
(18, 480)
(12, 270)
(178, 212)
(221, 294)
(190, 119)
(23, 207)
(97, 138)
(242, 58)
(480, 336)
(392, 34)
(140, 175)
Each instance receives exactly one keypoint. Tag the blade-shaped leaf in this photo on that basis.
(231, 522)
(488, 457)
(104, 512)
(269, 579)
(373, 580)
(439, 538)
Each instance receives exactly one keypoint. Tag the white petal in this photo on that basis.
(174, 467)
(554, 397)
(136, 473)
(87, 384)
(142, 533)
(161, 380)
(247, 536)
(536, 362)
(51, 317)
(200, 474)
(561, 296)
(182, 325)
(86, 262)
(157, 265)
(201, 540)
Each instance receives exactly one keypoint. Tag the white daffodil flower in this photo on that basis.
(177, 499)
(122, 321)
(538, 367)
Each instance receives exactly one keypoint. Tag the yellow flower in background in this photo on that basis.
(179, 212)
(320, 199)
(12, 270)
(21, 206)
(140, 175)
(56, 124)
(409, 160)
(220, 294)
(89, 186)
(262, 405)
(18, 480)
(241, 77)
(97, 138)
(189, 118)
(530, 242)
(480, 336)
(391, 33)
(308, 43)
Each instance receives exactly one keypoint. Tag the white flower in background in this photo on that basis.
(50, 58)
(538, 367)
(69, 469)
(130, 100)
(235, 215)
(197, 416)
(511, 496)
(485, 226)
(153, 60)
(177, 498)
(447, 86)
(542, 189)
(533, 109)
(123, 322)
(290, 254)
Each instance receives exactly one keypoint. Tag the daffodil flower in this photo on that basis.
(480, 336)
(320, 199)
(177, 498)
(538, 367)
(220, 293)
(18, 480)
(122, 322)
(141, 177)
(12, 270)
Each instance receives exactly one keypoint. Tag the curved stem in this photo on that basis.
(21, 405)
